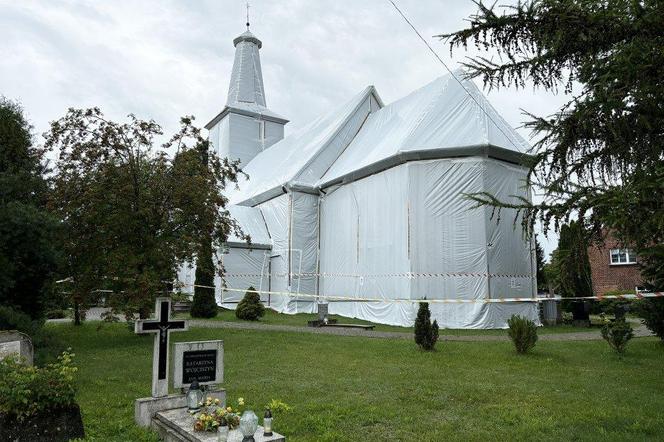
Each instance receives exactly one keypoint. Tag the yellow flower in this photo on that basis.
(229, 409)
(216, 401)
(240, 401)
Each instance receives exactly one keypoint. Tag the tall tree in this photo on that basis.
(600, 158)
(28, 253)
(539, 259)
(573, 264)
(204, 304)
(133, 213)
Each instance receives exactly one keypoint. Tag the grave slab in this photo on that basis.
(16, 343)
(178, 426)
(146, 408)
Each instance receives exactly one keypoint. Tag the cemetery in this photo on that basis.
(465, 390)
(411, 269)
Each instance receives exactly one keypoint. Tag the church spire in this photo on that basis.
(247, 77)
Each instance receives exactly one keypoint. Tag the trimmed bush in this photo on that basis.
(651, 310)
(617, 333)
(426, 332)
(523, 333)
(250, 308)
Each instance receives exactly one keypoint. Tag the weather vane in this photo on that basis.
(248, 5)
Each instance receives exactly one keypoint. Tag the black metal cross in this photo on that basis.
(161, 326)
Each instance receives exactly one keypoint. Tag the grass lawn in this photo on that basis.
(300, 320)
(350, 388)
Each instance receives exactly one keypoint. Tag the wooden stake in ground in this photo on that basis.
(161, 327)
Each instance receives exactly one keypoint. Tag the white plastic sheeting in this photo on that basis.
(368, 202)
(244, 268)
(252, 223)
(439, 116)
(302, 157)
(246, 85)
(409, 233)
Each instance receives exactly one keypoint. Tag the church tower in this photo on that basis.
(245, 127)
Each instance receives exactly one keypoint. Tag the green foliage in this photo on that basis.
(205, 304)
(46, 346)
(542, 283)
(523, 333)
(426, 332)
(28, 390)
(28, 233)
(13, 319)
(277, 406)
(250, 308)
(613, 307)
(132, 213)
(600, 158)
(617, 333)
(567, 380)
(56, 314)
(651, 310)
(573, 263)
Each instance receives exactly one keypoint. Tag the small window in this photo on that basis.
(622, 256)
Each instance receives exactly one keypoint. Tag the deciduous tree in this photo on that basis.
(133, 213)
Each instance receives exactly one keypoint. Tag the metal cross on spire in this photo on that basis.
(248, 6)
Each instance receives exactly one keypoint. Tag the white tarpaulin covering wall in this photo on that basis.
(408, 233)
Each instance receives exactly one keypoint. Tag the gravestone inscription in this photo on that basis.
(200, 360)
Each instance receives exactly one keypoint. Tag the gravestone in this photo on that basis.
(146, 408)
(161, 327)
(15, 343)
(200, 360)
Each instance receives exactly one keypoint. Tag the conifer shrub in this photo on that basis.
(617, 333)
(651, 310)
(522, 332)
(250, 308)
(426, 332)
(204, 304)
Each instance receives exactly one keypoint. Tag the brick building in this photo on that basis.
(613, 267)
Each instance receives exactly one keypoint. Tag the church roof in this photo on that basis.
(438, 120)
(301, 158)
(442, 119)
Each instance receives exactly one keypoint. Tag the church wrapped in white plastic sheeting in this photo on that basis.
(365, 208)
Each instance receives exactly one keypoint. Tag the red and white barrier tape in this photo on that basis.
(637, 296)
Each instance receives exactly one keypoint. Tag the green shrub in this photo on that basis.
(426, 332)
(12, 319)
(250, 308)
(204, 304)
(28, 390)
(56, 314)
(46, 346)
(651, 310)
(567, 318)
(522, 332)
(617, 333)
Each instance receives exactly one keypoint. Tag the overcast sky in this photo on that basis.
(167, 58)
